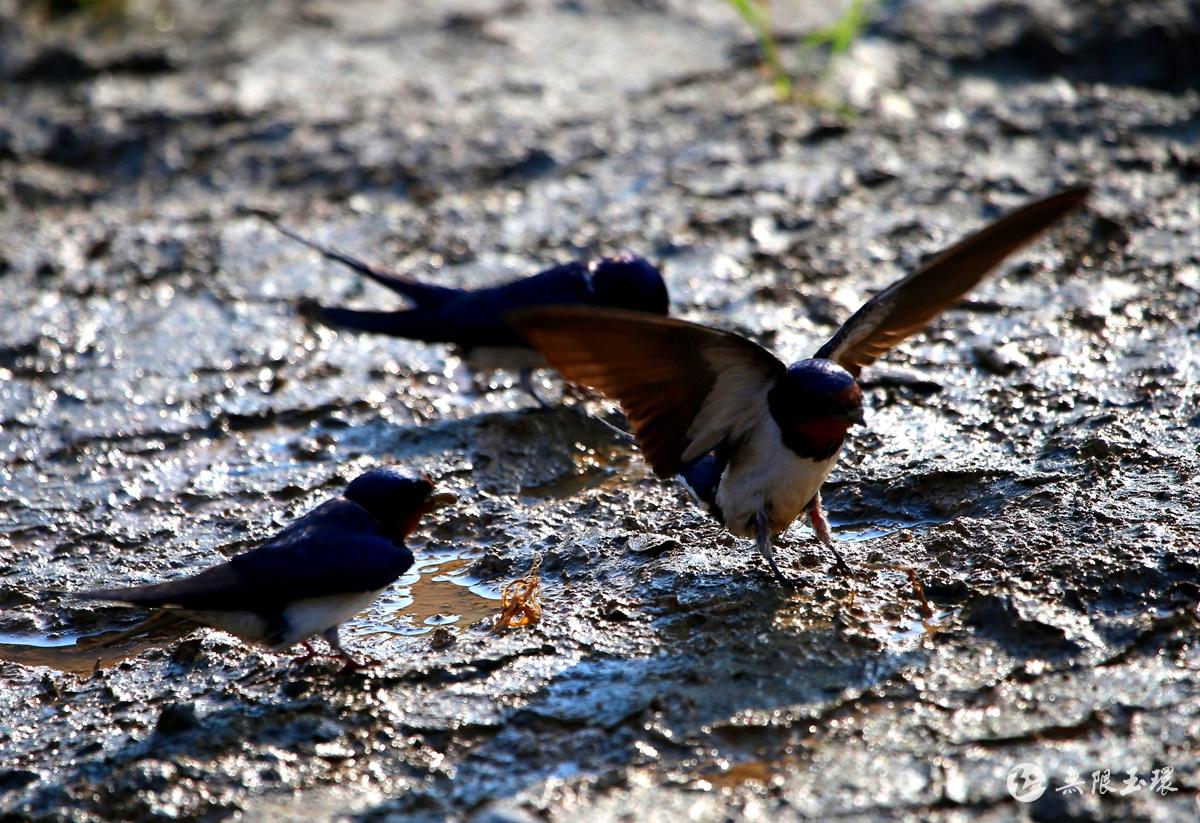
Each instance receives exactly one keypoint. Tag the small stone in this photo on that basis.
(187, 652)
(177, 718)
(442, 638)
(294, 688)
(652, 545)
(1001, 361)
(16, 779)
(616, 610)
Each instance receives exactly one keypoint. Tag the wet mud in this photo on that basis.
(1032, 457)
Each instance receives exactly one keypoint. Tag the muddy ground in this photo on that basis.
(1033, 456)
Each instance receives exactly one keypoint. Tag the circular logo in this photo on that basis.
(1026, 782)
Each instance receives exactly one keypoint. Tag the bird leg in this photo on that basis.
(526, 385)
(816, 515)
(335, 643)
(763, 527)
(821, 526)
(309, 653)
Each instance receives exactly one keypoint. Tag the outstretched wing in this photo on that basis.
(905, 307)
(683, 387)
(334, 549)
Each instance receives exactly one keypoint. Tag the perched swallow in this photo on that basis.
(754, 439)
(318, 572)
(473, 320)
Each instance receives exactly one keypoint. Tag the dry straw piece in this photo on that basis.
(521, 600)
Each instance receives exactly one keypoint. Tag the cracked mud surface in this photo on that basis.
(1032, 456)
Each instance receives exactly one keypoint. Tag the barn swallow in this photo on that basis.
(751, 438)
(473, 320)
(318, 572)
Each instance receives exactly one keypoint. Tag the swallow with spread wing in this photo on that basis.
(307, 580)
(473, 320)
(752, 438)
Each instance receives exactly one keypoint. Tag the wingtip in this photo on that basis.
(1076, 194)
(1041, 214)
(533, 323)
(1064, 200)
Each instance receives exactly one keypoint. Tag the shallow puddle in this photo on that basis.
(918, 629)
(437, 591)
(860, 531)
(738, 774)
(84, 653)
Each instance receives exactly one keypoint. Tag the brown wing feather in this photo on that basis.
(904, 308)
(662, 370)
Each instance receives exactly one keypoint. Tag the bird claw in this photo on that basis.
(352, 664)
(309, 653)
(782, 579)
(527, 385)
(763, 543)
(349, 662)
(840, 563)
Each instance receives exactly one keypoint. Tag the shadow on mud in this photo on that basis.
(736, 672)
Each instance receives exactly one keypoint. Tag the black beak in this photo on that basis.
(855, 417)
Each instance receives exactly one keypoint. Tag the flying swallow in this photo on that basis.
(752, 438)
(473, 320)
(307, 580)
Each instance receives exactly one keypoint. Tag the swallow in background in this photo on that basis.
(473, 320)
(751, 438)
(317, 573)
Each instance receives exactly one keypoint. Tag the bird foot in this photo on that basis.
(788, 583)
(527, 385)
(763, 543)
(309, 653)
(352, 664)
(840, 563)
(582, 395)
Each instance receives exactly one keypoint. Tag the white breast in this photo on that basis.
(306, 618)
(244, 624)
(763, 472)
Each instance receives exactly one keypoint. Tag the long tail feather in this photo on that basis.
(425, 295)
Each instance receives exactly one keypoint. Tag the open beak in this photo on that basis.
(439, 501)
